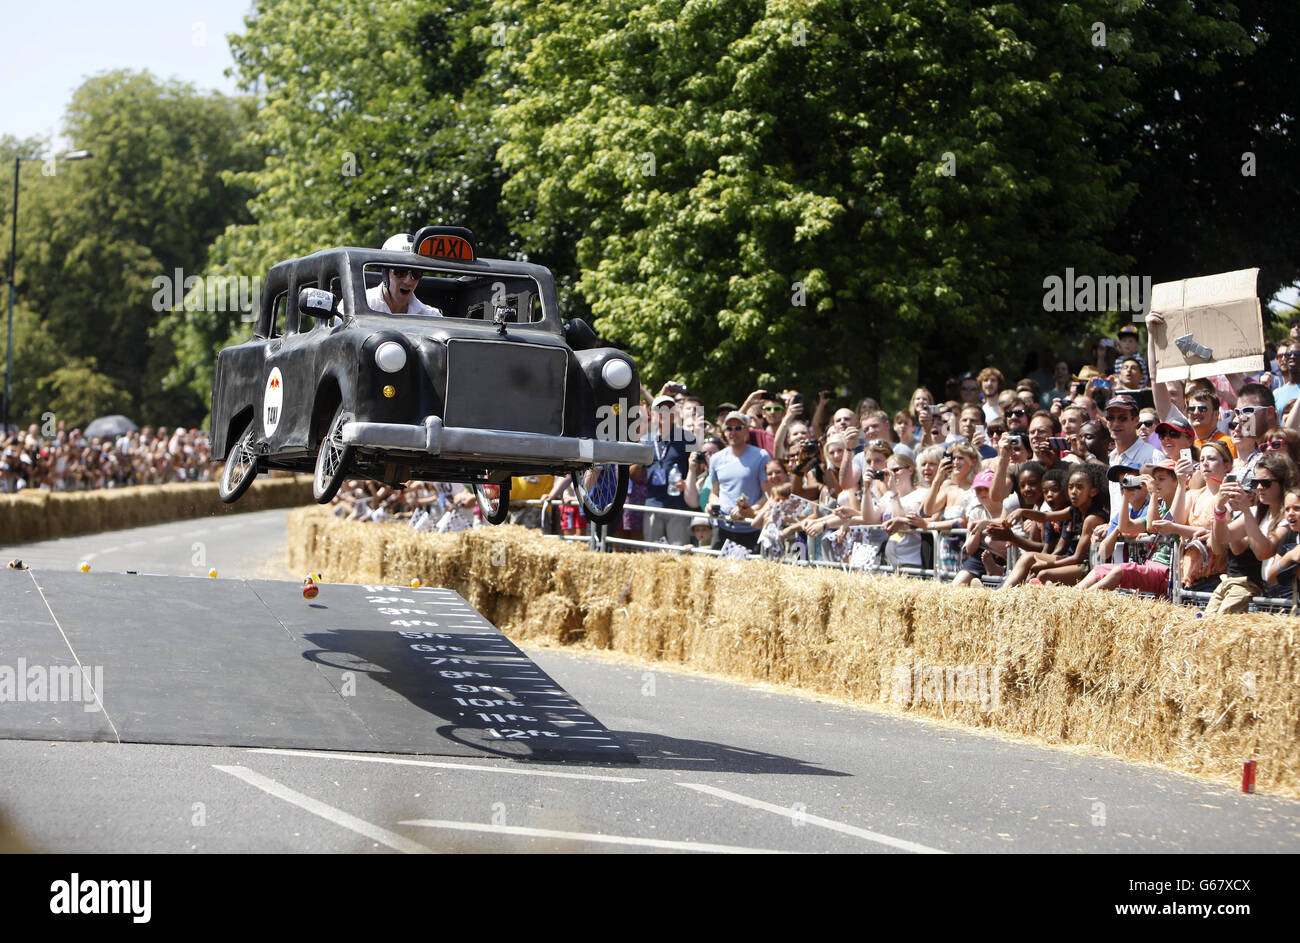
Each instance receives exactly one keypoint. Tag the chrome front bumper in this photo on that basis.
(456, 443)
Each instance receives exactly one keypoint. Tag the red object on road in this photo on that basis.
(1248, 777)
(309, 589)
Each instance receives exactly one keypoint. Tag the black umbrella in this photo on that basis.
(109, 427)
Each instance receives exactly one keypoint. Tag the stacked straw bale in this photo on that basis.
(42, 515)
(1139, 679)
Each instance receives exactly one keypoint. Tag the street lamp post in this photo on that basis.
(13, 259)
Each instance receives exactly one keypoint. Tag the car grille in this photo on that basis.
(506, 385)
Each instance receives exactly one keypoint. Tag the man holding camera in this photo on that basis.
(665, 476)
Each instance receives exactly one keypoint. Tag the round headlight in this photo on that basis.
(390, 356)
(617, 373)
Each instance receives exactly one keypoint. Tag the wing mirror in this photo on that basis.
(316, 303)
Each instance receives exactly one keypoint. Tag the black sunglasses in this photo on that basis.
(1017, 412)
(405, 272)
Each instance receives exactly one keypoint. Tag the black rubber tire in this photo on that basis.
(494, 511)
(332, 459)
(240, 470)
(600, 506)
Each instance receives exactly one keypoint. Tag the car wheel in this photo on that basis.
(601, 489)
(240, 468)
(494, 510)
(332, 459)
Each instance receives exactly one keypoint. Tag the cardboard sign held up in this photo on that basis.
(1212, 325)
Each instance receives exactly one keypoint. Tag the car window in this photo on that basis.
(472, 297)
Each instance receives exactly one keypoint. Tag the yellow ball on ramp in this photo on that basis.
(212, 574)
(415, 584)
(85, 567)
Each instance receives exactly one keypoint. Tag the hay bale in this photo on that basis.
(44, 515)
(1139, 679)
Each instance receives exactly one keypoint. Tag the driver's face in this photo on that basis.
(402, 287)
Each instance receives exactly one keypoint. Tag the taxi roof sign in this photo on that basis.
(446, 242)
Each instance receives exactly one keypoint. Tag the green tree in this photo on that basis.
(1215, 154)
(79, 391)
(95, 235)
(802, 191)
(370, 122)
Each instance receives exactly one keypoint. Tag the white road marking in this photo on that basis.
(593, 837)
(99, 699)
(327, 812)
(889, 840)
(509, 771)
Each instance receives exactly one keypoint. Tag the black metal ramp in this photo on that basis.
(164, 659)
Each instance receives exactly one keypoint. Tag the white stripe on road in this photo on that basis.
(327, 812)
(509, 771)
(889, 840)
(593, 837)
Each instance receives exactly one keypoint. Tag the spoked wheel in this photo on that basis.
(240, 469)
(494, 508)
(332, 460)
(601, 489)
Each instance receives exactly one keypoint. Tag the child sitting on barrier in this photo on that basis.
(1068, 563)
(978, 518)
(1160, 493)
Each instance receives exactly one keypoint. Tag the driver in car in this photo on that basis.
(396, 294)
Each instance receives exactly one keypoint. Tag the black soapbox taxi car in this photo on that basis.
(492, 384)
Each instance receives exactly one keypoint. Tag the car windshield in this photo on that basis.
(457, 295)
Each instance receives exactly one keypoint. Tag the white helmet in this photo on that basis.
(401, 242)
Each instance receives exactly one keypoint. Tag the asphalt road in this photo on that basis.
(723, 768)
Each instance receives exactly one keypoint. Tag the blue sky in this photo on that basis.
(51, 48)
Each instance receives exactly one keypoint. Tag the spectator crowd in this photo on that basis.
(68, 461)
(1019, 481)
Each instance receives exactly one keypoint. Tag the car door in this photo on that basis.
(291, 376)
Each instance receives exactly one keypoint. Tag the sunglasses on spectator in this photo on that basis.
(969, 389)
(1017, 412)
(1146, 422)
(878, 444)
(1273, 445)
(1245, 411)
(405, 272)
(1199, 408)
(773, 408)
(1259, 484)
(731, 427)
